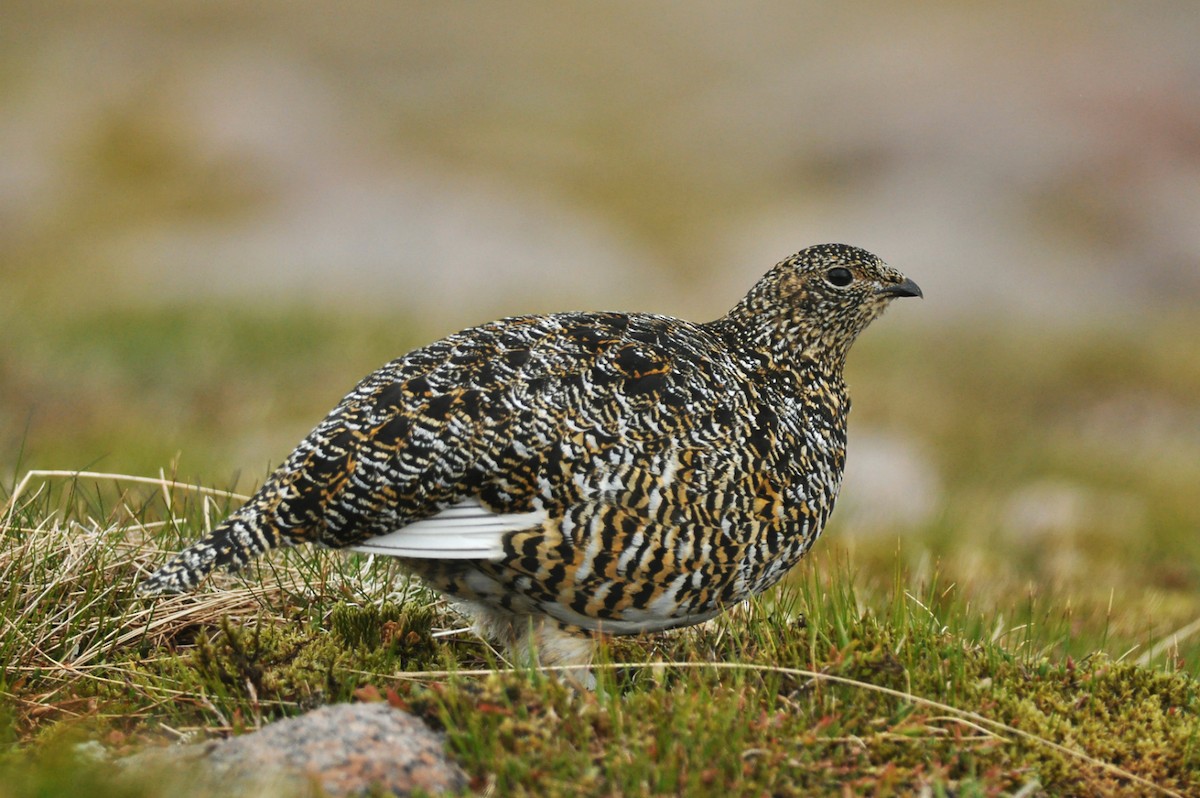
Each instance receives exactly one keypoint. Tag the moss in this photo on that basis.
(710, 732)
(1144, 721)
(267, 669)
(406, 631)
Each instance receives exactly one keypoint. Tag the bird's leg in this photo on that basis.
(534, 641)
(543, 641)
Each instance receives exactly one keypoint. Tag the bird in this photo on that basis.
(568, 476)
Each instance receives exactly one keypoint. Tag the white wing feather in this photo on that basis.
(464, 531)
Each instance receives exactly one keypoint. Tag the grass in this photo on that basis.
(984, 651)
(831, 683)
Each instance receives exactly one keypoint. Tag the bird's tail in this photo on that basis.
(239, 539)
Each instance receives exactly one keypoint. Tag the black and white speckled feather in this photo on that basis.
(586, 471)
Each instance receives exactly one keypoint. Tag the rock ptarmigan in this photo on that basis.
(575, 473)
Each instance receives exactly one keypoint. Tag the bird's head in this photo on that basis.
(818, 301)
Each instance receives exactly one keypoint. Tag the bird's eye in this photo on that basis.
(839, 277)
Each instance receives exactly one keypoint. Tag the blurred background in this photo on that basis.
(216, 216)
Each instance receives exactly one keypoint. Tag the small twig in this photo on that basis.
(11, 504)
(1172, 639)
(451, 632)
(207, 703)
(179, 735)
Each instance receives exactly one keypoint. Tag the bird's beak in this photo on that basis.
(906, 288)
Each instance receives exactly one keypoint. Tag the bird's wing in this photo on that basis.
(449, 449)
(464, 531)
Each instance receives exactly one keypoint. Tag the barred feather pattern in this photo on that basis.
(659, 470)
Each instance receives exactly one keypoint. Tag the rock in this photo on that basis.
(346, 749)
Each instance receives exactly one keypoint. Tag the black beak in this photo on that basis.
(906, 288)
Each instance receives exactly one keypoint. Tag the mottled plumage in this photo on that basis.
(576, 472)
